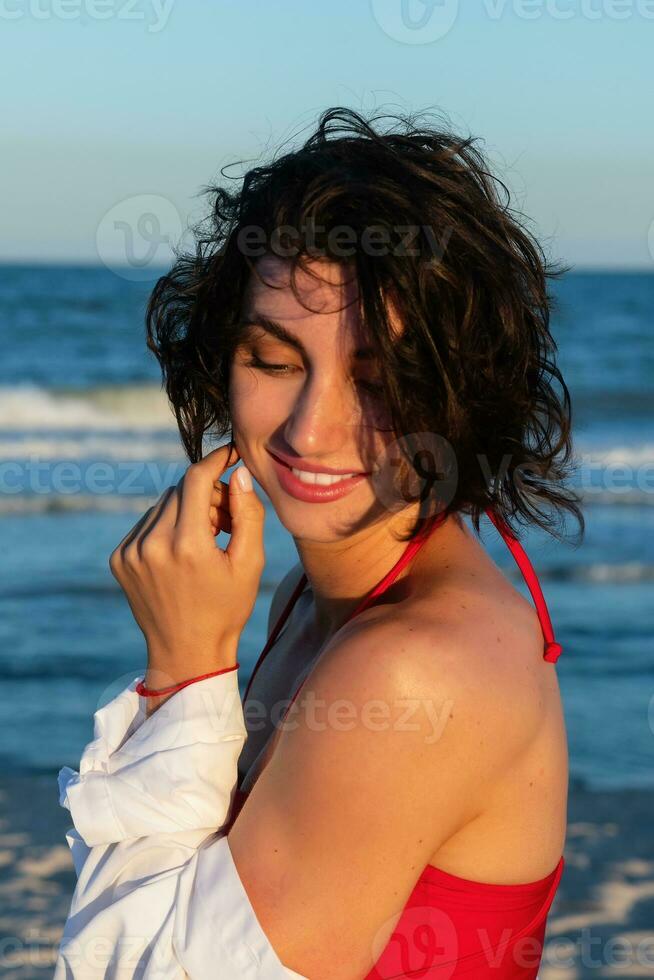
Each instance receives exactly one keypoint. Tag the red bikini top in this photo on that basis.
(453, 926)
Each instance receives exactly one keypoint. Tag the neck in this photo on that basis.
(340, 573)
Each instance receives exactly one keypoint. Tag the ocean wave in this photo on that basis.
(631, 571)
(135, 407)
(636, 455)
(89, 446)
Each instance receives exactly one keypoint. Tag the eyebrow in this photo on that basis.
(280, 332)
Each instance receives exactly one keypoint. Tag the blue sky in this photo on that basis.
(108, 100)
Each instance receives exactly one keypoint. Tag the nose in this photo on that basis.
(321, 420)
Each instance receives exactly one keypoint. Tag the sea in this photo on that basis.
(88, 441)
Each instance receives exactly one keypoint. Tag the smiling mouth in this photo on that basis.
(321, 479)
(318, 479)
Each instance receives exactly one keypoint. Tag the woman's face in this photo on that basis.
(302, 391)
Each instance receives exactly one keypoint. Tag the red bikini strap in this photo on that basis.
(553, 650)
(276, 629)
(414, 545)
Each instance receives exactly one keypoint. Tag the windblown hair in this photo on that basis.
(475, 362)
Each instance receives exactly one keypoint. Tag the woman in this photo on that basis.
(371, 322)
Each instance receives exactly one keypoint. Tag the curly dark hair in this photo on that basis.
(476, 360)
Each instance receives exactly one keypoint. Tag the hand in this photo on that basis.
(190, 598)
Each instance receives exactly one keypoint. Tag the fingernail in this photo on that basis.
(244, 478)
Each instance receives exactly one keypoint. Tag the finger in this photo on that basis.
(163, 523)
(141, 527)
(133, 531)
(245, 548)
(167, 515)
(214, 521)
(220, 494)
(199, 483)
(220, 519)
(154, 518)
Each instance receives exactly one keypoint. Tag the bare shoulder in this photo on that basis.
(472, 669)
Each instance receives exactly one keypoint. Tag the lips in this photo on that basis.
(314, 492)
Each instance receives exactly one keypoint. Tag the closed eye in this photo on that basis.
(282, 369)
(264, 366)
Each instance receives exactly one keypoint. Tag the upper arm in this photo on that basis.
(383, 757)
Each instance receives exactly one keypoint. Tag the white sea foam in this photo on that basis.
(91, 447)
(636, 455)
(627, 572)
(121, 407)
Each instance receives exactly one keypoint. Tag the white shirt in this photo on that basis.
(158, 896)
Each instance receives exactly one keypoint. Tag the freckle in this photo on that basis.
(498, 639)
(531, 782)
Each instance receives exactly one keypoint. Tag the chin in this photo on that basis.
(328, 521)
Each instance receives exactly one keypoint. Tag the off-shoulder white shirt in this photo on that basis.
(158, 896)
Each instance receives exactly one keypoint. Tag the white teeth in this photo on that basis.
(324, 479)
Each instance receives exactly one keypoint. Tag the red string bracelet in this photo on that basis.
(148, 692)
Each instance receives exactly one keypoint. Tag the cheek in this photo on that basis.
(251, 407)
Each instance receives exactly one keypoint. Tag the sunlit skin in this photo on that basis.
(320, 407)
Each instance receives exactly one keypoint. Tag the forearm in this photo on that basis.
(166, 669)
